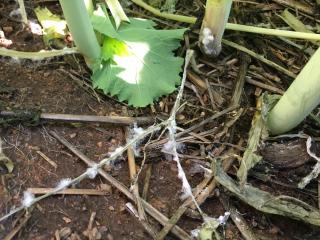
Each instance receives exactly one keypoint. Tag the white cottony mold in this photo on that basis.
(15, 13)
(64, 183)
(172, 127)
(223, 219)
(28, 199)
(186, 188)
(92, 171)
(118, 150)
(207, 41)
(169, 147)
(195, 233)
(136, 132)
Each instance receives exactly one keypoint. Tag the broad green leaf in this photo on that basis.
(112, 46)
(102, 23)
(138, 63)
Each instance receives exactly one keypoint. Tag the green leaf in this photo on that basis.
(53, 26)
(138, 64)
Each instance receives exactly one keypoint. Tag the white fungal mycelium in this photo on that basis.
(136, 132)
(64, 183)
(207, 41)
(224, 218)
(28, 199)
(195, 233)
(170, 148)
(15, 13)
(92, 171)
(116, 151)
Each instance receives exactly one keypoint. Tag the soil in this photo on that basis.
(46, 86)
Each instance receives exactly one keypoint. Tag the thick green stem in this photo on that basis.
(23, 12)
(89, 6)
(36, 55)
(230, 26)
(299, 100)
(81, 29)
(213, 26)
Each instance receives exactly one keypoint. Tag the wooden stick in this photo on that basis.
(68, 191)
(264, 86)
(241, 78)
(118, 120)
(180, 233)
(45, 157)
(147, 181)
(133, 174)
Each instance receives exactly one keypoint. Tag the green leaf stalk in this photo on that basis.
(213, 26)
(299, 100)
(79, 24)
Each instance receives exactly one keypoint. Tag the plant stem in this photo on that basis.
(89, 6)
(81, 29)
(23, 12)
(157, 12)
(259, 57)
(299, 100)
(36, 55)
(213, 26)
(230, 26)
(273, 32)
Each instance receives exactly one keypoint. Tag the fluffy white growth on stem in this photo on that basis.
(92, 171)
(28, 199)
(186, 188)
(15, 13)
(172, 127)
(116, 151)
(207, 41)
(223, 219)
(195, 233)
(169, 147)
(63, 183)
(136, 132)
